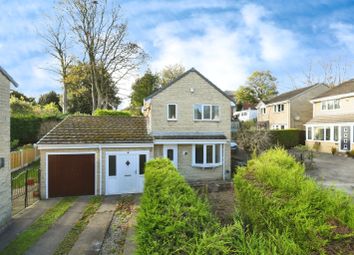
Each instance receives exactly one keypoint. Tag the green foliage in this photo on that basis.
(31, 235)
(278, 199)
(143, 87)
(22, 96)
(50, 98)
(260, 86)
(170, 73)
(103, 112)
(288, 138)
(172, 218)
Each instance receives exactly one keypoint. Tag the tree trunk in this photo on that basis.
(65, 98)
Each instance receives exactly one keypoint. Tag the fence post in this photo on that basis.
(21, 156)
(26, 189)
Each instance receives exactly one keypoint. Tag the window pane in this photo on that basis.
(328, 134)
(324, 105)
(309, 133)
(209, 155)
(335, 133)
(207, 109)
(199, 154)
(336, 104)
(330, 105)
(215, 113)
(112, 166)
(172, 111)
(170, 154)
(142, 161)
(319, 133)
(217, 153)
(198, 112)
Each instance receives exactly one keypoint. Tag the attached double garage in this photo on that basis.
(94, 156)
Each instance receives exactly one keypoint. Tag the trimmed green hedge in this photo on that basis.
(26, 128)
(104, 112)
(172, 218)
(288, 138)
(275, 197)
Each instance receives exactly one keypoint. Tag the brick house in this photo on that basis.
(188, 121)
(5, 177)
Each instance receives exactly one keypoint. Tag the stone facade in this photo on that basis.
(185, 93)
(5, 177)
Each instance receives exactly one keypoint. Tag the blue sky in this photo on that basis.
(225, 40)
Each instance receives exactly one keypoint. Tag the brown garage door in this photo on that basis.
(71, 175)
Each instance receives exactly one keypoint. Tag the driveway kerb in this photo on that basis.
(91, 239)
(48, 243)
(24, 219)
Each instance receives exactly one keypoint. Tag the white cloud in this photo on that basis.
(344, 34)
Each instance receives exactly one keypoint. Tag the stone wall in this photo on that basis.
(5, 177)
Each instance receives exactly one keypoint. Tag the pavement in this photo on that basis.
(48, 243)
(91, 239)
(337, 171)
(24, 219)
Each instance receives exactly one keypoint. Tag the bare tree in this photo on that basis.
(57, 46)
(100, 30)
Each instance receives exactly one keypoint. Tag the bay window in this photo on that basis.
(335, 134)
(309, 133)
(207, 155)
(319, 133)
(206, 112)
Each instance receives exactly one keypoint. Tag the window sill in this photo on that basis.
(172, 120)
(206, 120)
(208, 166)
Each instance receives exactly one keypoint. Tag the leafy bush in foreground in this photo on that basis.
(277, 198)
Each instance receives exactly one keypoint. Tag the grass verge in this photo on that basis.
(31, 235)
(69, 240)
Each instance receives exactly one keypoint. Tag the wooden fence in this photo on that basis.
(22, 158)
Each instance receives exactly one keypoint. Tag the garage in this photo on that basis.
(71, 175)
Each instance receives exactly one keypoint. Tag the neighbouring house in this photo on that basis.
(188, 121)
(5, 176)
(288, 110)
(332, 125)
(248, 112)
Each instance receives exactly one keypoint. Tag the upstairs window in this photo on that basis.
(206, 112)
(279, 108)
(330, 105)
(171, 112)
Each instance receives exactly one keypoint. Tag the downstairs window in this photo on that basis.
(207, 155)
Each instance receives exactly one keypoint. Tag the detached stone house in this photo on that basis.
(188, 121)
(5, 176)
(288, 110)
(332, 124)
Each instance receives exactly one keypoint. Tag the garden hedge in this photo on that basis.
(288, 138)
(105, 112)
(275, 197)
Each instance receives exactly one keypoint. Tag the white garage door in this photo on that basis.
(125, 172)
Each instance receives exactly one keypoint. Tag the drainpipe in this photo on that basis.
(100, 148)
(224, 162)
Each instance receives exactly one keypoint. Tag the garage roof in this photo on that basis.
(98, 130)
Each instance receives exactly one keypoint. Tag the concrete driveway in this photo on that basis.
(335, 171)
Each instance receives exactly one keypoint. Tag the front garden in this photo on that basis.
(279, 211)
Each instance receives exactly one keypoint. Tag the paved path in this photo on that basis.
(48, 243)
(24, 219)
(335, 171)
(91, 239)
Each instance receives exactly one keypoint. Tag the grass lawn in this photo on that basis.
(69, 240)
(31, 235)
(20, 178)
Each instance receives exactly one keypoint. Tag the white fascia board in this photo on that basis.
(332, 97)
(196, 141)
(94, 146)
(280, 102)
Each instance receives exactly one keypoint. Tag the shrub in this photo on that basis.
(171, 218)
(333, 150)
(288, 138)
(103, 112)
(277, 198)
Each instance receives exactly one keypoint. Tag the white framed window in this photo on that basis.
(172, 112)
(207, 155)
(278, 108)
(206, 112)
(330, 105)
(309, 133)
(322, 133)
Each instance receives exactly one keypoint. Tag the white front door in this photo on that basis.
(171, 152)
(122, 173)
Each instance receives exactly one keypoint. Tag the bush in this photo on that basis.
(278, 199)
(171, 218)
(288, 138)
(103, 112)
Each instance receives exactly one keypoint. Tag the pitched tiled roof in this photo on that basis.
(332, 119)
(288, 95)
(98, 130)
(185, 74)
(343, 88)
